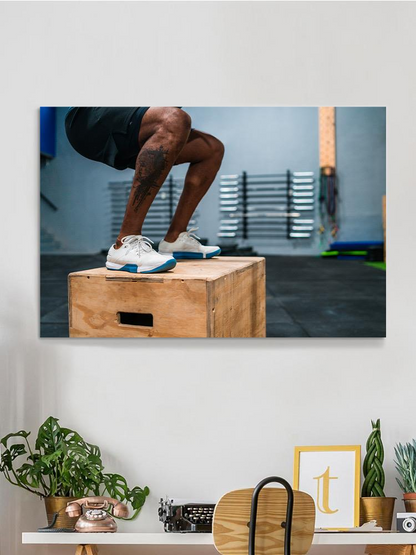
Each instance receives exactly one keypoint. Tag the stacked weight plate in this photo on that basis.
(267, 206)
(160, 214)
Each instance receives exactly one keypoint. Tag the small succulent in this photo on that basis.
(374, 477)
(406, 466)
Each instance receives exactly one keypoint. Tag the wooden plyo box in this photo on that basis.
(221, 297)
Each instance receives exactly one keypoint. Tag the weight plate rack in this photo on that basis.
(280, 205)
(160, 214)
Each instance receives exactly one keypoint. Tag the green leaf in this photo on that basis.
(406, 466)
(9, 455)
(374, 477)
(6, 460)
(137, 498)
(50, 460)
(378, 490)
(5, 439)
(49, 436)
(28, 475)
(116, 486)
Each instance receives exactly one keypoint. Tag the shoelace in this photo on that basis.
(138, 242)
(190, 235)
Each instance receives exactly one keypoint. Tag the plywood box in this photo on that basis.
(221, 297)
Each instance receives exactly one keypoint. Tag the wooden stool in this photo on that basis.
(86, 550)
(221, 297)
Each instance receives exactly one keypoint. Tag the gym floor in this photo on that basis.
(306, 296)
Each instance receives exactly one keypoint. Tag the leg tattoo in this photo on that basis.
(151, 165)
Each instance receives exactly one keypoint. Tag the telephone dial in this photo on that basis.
(97, 513)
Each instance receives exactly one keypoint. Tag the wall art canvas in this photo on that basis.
(212, 222)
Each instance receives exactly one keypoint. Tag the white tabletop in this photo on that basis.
(123, 538)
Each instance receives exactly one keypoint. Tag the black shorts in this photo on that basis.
(107, 135)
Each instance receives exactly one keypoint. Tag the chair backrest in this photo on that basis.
(232, 517)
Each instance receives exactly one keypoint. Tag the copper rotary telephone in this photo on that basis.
(97, 516)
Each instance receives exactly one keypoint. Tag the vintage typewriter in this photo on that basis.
(188, 517)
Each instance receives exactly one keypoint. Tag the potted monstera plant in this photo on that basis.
(61, 467)
(374, 503)
(406, 467)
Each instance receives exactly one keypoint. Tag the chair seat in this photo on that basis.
(232, 515)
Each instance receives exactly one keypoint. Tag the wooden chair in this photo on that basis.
(284, 520)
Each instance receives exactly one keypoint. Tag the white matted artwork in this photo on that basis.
(331, 476)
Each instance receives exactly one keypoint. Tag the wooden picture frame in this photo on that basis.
(331, 476)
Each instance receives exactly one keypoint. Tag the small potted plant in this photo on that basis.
(62, 467)
(406, 467)
(374, 504)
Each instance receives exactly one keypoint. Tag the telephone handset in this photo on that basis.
(97, 516)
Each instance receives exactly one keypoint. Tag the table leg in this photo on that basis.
(390, 550)
(86, 550)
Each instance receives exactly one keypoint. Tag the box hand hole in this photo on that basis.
(135, 319)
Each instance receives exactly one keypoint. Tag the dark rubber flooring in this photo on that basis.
(306, 296)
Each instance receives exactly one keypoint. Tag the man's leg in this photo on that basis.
(204, 153)
(163, 134)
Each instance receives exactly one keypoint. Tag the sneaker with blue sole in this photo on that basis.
(137, 256)
(187, 246)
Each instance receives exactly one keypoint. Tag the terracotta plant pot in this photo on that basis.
(377, 508)
(410, 502)
(55, 505)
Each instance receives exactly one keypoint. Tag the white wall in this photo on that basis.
(197, 418)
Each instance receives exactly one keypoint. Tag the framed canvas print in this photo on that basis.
(331, 476)
(221, 222)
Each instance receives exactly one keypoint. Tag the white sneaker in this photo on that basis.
(136, 255)
(187, 246)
